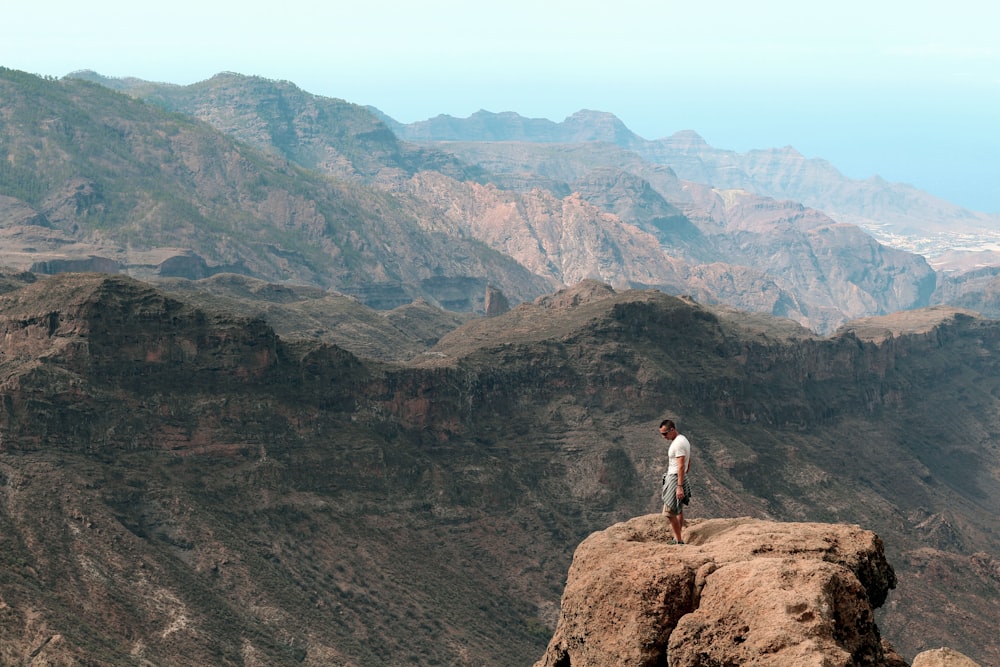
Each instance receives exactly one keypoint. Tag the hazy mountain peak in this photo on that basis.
(588, 125)
(484, 114)
(245, 83)
(688, 138)
(483, 125)
(592, 115)
(581, 127)
(785, 152)
(233, 76)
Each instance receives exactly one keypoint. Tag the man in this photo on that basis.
(676, 491)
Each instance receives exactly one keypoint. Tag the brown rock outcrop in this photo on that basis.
(496, 302)
(740, 592)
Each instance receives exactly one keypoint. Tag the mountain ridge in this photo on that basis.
(383, 235)
(895, 213)
(328, 136)
(299, 504)
(132, 184)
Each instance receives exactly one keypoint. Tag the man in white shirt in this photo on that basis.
(676, 491)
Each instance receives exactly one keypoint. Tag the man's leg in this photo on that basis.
(676, 523)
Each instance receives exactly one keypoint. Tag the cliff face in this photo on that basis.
(78, 343)
(179, 484)
(739, 592)
(563, 239)
(723, 245)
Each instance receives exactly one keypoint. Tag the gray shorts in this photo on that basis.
(669, 494)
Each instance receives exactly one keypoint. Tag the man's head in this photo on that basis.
(667, 429)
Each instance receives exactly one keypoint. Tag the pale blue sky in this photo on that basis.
(906, 90)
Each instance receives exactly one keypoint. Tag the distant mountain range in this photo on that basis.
(895, 213)
(246, 175)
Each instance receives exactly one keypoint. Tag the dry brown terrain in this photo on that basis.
(184, 487)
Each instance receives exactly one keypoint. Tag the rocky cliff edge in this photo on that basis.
(739, 592)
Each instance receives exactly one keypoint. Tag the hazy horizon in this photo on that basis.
(900, 90)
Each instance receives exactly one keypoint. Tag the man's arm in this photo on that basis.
(681, 471)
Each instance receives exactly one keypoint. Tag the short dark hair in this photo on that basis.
(669, 423)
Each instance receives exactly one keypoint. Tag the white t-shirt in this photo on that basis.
(679, 447)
